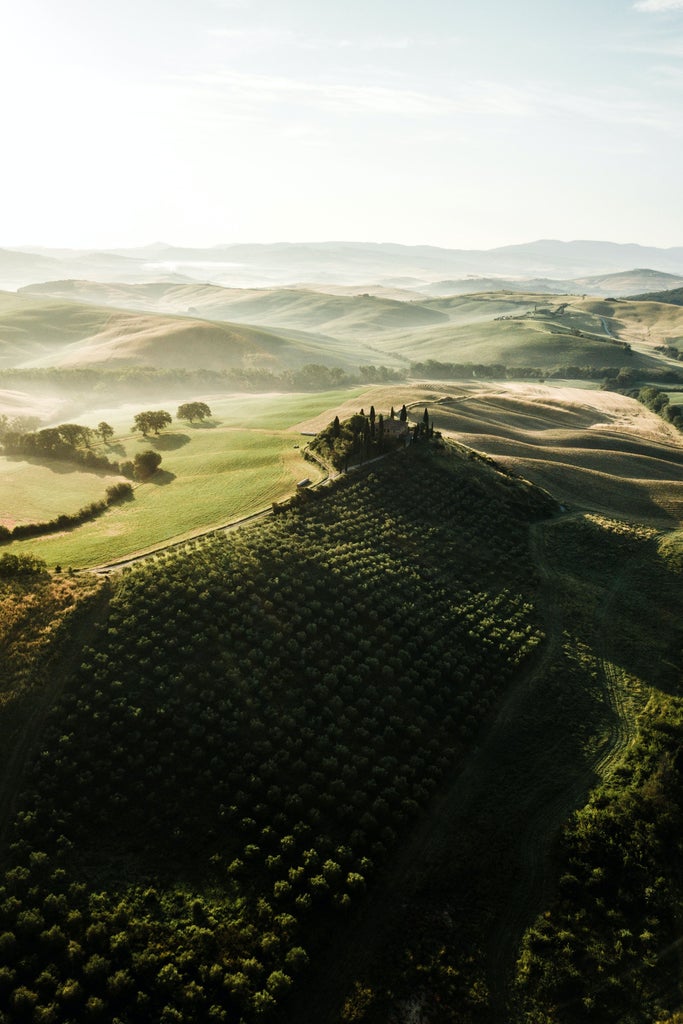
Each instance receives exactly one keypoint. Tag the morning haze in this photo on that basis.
(341, 513)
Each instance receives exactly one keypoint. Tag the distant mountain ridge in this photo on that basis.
(382, 263)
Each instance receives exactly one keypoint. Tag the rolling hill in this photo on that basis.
(44, 332)
(206, 326)
(342, 316)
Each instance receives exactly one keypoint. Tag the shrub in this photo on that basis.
(118, 492)
(146, 464)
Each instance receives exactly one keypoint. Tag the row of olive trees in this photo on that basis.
(265, 712)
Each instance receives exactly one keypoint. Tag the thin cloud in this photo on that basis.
(258, 38)
(654, 47)
(259, 91)
(658, 6)
(624, 108)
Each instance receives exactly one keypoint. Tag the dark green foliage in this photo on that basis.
(14, 566)
(674, 296)
(61, 522)
(68, 441)
(193, 411)
(355, 440)
(670, 351)
(153, 420)
(607, 951)
(250, 735)
(145, 464)
(105, 431)
(118, 492)
(658, 401)
(431, 369)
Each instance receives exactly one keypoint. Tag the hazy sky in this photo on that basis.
(464, 124)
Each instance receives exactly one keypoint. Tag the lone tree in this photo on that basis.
(145, 464)
(403, 415)
(193, 411)
(105, 431)
(152, 420)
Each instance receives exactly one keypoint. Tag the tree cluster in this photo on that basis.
(658, 401)
(192, 411)
(151, 421)
(68, 441)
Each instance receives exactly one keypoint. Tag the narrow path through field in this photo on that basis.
(376, 924)
(53, 678)
(530, 886)
(506, 794)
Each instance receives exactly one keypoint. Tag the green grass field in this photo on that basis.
(211, 474)
(37, 492)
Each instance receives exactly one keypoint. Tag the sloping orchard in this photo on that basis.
(260, 721)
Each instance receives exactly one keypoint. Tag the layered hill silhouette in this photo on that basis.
(359, 263)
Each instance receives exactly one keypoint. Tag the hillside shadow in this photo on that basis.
(117, 448)
(167, 442)
(162, 477)
(63, 467)
(203, 425)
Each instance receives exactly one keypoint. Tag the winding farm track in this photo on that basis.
(530, 888)
(346, 958)
(530, 822)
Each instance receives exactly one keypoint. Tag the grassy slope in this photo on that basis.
(641, 323)
(50, 332)
(34, 492)
(210, 475)
(39, 617)
(439, 932)
(305, 575)
(341, 329)
(672, 295)
(443, 930)
(342, 316)
(605, 947)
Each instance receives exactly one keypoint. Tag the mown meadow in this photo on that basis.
(236, 463)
